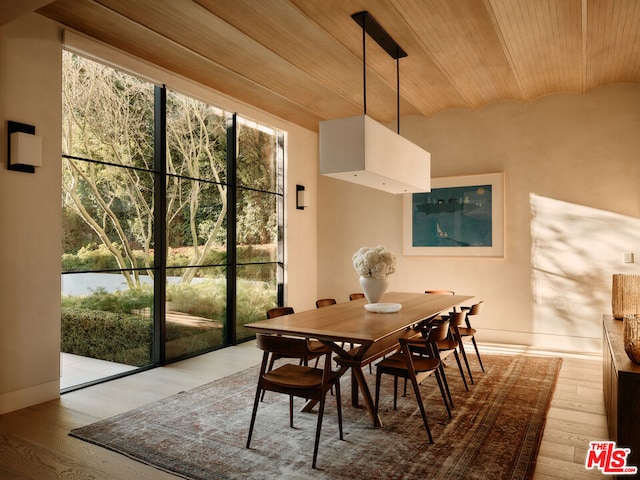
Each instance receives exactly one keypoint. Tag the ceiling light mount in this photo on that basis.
(375, 31)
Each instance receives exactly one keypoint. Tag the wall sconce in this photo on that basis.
(24, 147)
(301, 198)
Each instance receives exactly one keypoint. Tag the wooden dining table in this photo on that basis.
(375, 334)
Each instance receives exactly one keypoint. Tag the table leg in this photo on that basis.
(366, 395)
(354, 388)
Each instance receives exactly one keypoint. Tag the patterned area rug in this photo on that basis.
(201, 434)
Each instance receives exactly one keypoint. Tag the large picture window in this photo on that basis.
(172, 216)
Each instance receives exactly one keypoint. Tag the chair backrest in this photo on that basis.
(325, 302)
(286, 346)
(476, 309)
(457, 318)
(440, 292)
(279, 311)
(427, 344)
(356, 296)
(438, 333)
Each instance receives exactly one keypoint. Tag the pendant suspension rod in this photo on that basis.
(398, 85)
(374, 29)
(364, 64)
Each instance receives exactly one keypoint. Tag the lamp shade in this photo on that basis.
(360, 150)
(625, 294)
(26, 149)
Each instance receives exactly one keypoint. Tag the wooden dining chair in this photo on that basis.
(325, 302)
(279, 311)
(453, 344)
(407, 364)
(301, 381)
(316, 348)
(441, 292)
(468, 331)
(422, 350)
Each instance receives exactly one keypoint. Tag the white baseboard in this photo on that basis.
(559, 343)
(27, 397)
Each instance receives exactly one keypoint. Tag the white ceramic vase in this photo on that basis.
(373, 288)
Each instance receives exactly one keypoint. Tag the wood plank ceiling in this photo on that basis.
(302, 59)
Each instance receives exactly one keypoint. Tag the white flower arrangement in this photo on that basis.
(375, 262)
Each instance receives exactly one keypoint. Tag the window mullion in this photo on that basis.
(160, 227)
(232, 256)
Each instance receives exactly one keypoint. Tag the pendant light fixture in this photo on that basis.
(360, 150)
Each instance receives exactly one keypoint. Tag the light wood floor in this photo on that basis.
(34, 442)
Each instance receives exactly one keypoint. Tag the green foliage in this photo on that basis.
(181, 257)
(184, 341)
(75, 231)
(254, 299)
(93, 257)
(127, 338)
(116, 337)
(122, 301)
(118, 326)
(205, 298)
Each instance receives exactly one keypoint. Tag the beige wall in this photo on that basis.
(30, 213)
(571, 164)
(30, 220)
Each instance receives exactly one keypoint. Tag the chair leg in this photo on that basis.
(291, 411)
(475, 345)
(318, 428)
(464, 355)
(446, 384)
(444, 396)
(455, 353)
(253, 415)
(339, 407)
(416, 389)
(395, 392)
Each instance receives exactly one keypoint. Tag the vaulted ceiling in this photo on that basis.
(302, 59)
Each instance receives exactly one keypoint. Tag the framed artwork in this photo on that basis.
(461, 216)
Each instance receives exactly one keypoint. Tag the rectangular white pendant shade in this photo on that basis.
(360, 150)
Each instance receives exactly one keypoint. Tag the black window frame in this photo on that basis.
(160, 225)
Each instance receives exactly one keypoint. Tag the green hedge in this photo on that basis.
(116, 337)
(117, 326)
(126, 338)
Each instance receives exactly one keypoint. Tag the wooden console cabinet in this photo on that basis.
(621, 383)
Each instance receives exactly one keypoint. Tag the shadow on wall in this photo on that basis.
(575, 252)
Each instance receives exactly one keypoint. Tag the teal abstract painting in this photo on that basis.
(453, 217)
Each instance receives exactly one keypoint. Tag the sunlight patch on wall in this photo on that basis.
(574, 252)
